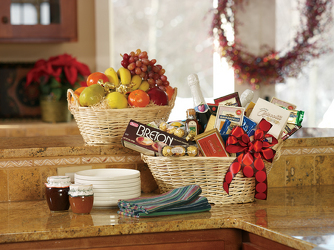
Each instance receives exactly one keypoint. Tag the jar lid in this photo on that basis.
(80, 190)
(58, 181)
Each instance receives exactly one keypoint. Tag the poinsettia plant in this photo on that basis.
(58, 74)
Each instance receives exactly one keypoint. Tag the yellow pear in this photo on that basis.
(91, 95)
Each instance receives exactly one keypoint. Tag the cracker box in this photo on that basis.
(148, 140)
(232, 113)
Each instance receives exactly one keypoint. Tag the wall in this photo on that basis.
(257, 28)
(83, 49)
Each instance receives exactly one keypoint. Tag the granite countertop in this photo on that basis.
(299, 217)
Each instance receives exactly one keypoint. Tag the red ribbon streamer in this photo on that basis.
(250, 159)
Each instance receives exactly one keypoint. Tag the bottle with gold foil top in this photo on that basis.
(202, 109)
(191, 123)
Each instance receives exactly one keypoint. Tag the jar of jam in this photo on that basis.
(81, 198)
(56, 191)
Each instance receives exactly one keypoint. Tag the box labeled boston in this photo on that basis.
(148, 140)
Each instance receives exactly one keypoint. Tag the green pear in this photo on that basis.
(91, 95)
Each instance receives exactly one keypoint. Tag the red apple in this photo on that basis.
(158, 96)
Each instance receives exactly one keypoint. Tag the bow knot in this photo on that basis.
(251, 154)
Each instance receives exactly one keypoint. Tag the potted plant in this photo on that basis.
(54, 77)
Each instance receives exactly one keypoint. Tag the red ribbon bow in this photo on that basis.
(251, 156)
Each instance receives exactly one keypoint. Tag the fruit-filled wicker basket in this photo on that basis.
(107, 126)
(208, 172)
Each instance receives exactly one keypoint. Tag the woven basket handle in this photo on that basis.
(70, 93)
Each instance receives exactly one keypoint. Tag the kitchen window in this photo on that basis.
(177, 34)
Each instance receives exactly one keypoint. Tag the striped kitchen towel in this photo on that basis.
(177, 201)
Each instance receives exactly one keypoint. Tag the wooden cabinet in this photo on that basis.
(255, 242)
(217, 239)
(63, 29)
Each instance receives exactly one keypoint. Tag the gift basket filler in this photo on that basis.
(227, 147)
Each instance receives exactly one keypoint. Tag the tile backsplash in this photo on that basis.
(302, 162)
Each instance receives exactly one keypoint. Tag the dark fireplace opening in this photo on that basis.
(16, 99)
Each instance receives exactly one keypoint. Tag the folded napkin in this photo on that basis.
(177, 201)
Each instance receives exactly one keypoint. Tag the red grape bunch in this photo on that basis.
(139, 64)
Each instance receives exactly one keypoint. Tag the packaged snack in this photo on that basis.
(274, 114)
(179, 150)
(229, 100)
(211, 123)
(248, 126)
(283, 104)
(249, 108)
(296, 117)
(234, 114)
(226, 130)
(149, 140)
(211, 143)
(192, 150)
(289, 130)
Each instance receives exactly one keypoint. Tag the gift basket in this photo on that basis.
(106, 126)
(138, 90)
(207, 172)
(231, 159)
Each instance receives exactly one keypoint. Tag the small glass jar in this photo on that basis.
(81, 198)
(56, 191)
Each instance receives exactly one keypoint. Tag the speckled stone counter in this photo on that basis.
(298, 217)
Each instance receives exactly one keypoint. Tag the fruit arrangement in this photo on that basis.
(139, 82)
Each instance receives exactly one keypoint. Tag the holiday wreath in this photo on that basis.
(273, 66)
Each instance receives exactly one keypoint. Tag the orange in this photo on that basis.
(169, 91)
(95, 77)
(77, 93)
(138, 98)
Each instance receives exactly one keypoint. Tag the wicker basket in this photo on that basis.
(208, 172)
(107, 126)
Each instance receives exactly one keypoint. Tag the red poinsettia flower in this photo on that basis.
(54, 66)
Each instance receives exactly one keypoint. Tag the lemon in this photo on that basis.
(117, 100)
(91, 95)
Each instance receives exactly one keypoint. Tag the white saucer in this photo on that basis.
(134, 183)
(107, 174)
(117, 197)
(106, 182)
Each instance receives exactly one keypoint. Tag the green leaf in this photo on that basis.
(54, 83)
(57, 93)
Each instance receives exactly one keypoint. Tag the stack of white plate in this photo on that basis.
(110, 184)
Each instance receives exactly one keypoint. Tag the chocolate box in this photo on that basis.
(211, 143)
(148, 140)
